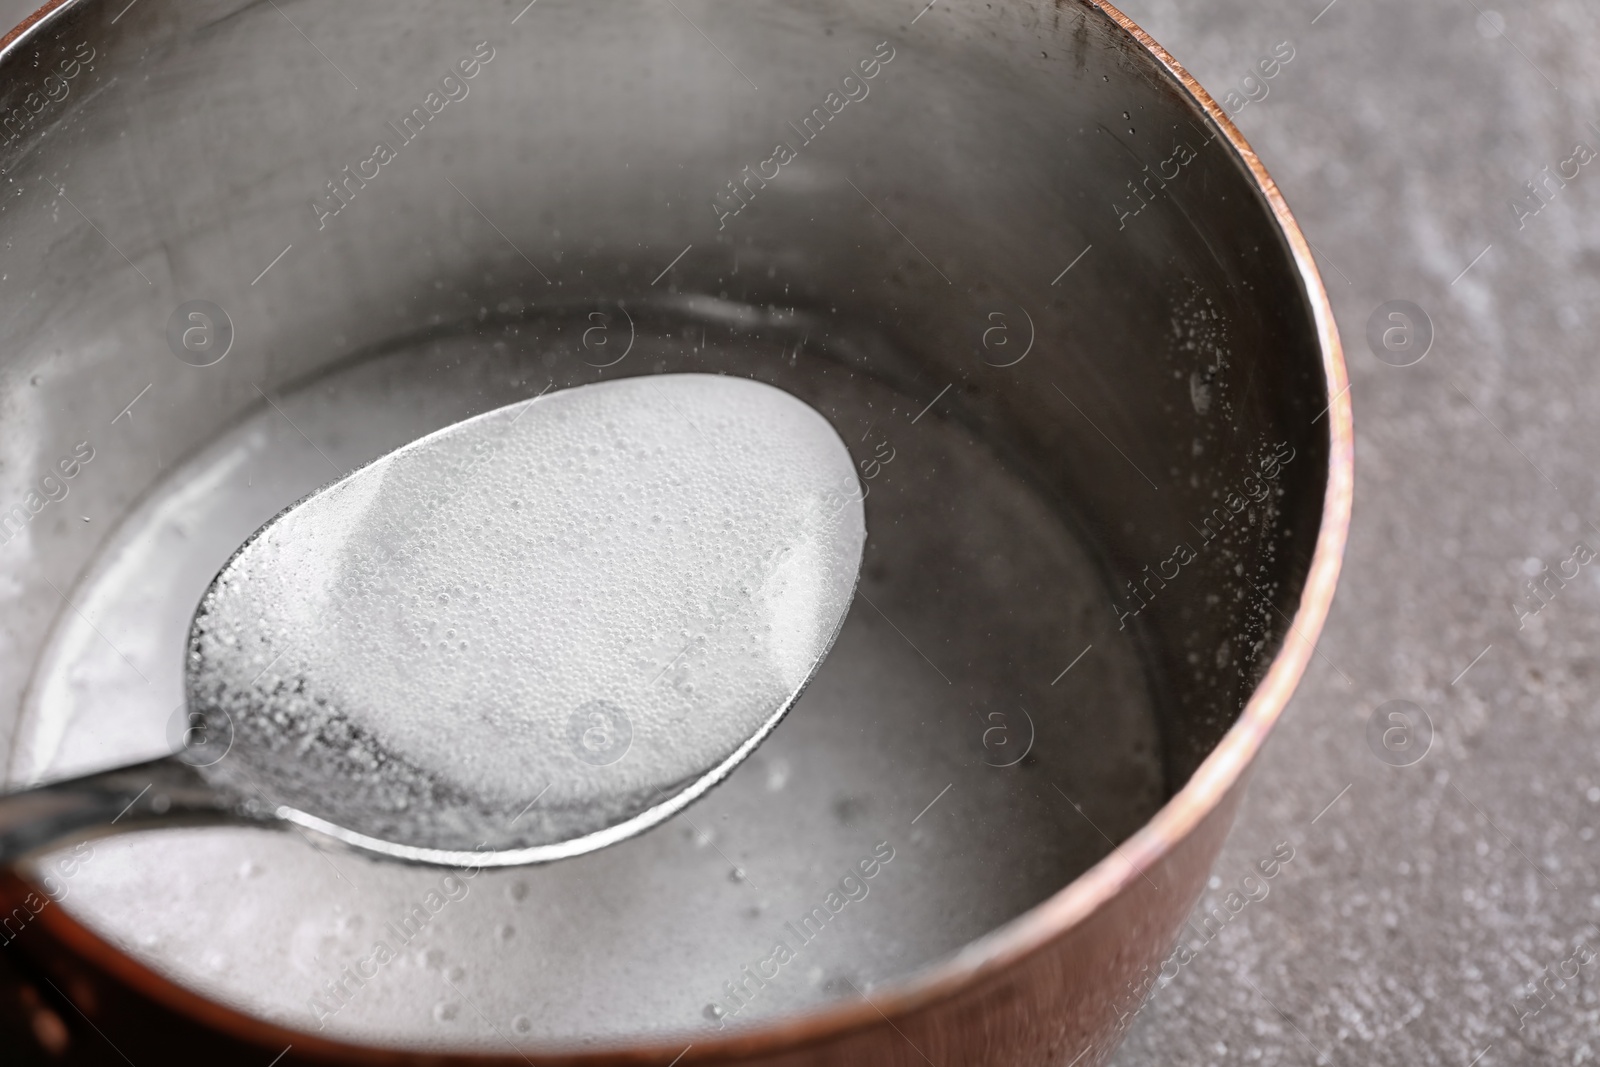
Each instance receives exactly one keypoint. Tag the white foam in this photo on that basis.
(477, 621)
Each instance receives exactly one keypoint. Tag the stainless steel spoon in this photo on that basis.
(527, 636)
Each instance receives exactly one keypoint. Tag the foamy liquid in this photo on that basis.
(975, 594)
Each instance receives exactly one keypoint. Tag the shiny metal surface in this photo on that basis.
(172, 794)
(1037, 169)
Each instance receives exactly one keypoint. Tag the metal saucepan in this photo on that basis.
(1036, 279)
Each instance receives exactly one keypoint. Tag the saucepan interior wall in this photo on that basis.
(935, 182)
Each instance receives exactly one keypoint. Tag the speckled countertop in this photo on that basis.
(1422, 907)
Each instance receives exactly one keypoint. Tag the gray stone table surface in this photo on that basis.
(1423, 906)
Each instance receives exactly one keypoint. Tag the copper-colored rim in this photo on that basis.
(1091, 890)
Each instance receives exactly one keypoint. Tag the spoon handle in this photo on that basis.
(163, 792)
